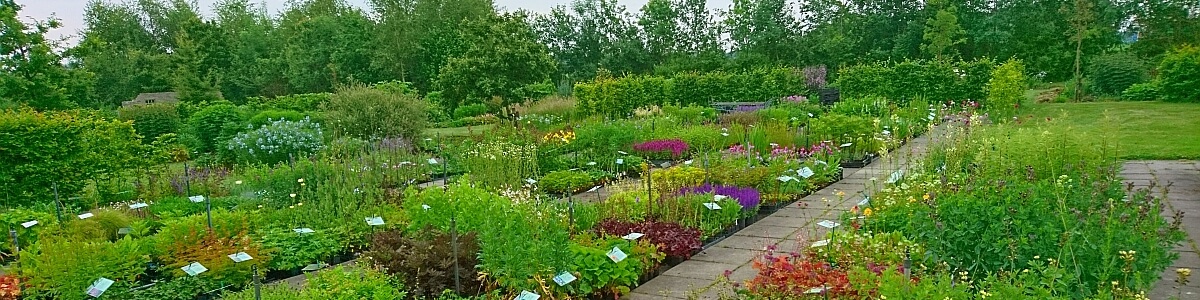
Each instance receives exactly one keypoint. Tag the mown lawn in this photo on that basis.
(1145, 130)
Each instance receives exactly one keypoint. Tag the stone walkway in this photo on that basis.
(788, 228)
(1181, 181)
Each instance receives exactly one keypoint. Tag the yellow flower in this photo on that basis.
(867, 212)
(1183, 272)
(926, 197)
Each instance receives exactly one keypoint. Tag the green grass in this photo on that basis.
(459, 131)
(1144, 130)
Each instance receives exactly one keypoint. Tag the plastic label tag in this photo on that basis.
(616, 255)
(620, 161)
(85, 216)
(806, 172)
(633, 236)
(99, 287)
(564, 278)
(527, 295)
(240, 257)
(196, 199)
(138, 205)
(820, 243)
(374, 221)
(194, 269)
(29, 224)
(828, 224)
(304, 230)
(712, 206)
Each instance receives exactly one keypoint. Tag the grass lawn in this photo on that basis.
(459, 131)
(1145, 130)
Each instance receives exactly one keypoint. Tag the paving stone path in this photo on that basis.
(789, 228)
(1181, 181)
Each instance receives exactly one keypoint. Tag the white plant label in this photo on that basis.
(816, 290)
(616, 255)
(828, 224)
(687, 162)
(29, 224)
(527, 295)
(138, 205)
(665, 165)
(196, 199)
(99, 286)
(724, 134)
(433, 161)
(194, 269)
(564, 278)
(785, 178)
(810, 115)
(85, 216)
(823, 163)
(847, 145)
(620, 161)
(313, 267)
(425, 206)
(712, 206)
(304, 230)
(530, 180)
(240, 257)
(591, 163)
(806, 172)
(821, 243)
(633, 236)
(866, 200)
(896, 176)
(622, 152)
(719, 197)
(374, 221)
(594, 189)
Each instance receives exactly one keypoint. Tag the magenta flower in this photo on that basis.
(676, 146)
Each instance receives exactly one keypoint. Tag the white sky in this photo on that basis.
(70, 12)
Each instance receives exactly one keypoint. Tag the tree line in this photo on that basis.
(468, 51)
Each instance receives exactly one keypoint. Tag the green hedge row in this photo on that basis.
(932, 80)
(618, 97)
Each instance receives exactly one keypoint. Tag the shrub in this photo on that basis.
(213, 123)
(276, 142)
(294, 102)
(1110, 74)
(268, 116)
(473, 110)
(673, 179)
(185, 240)
(617, 97)
(41, 149)
(905, 81)
(563, 107)
(670, 238)
(10, 287)
(63, 269)
(356, 283)
(1006, 90)
(153, 120)
(372, 114)
(1179, 75)
(588, 256)
(427, 262)
(1141, 92)
(691, 114)
(12, 219)
(295, 250)
(565, 182)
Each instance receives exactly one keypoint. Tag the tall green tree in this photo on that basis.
(327, 43)
(504, 58)
(942, 32)
(590, 35)
(762, 31)
(30, 71)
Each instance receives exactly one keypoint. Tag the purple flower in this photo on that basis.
(748, 198)
(676, 146)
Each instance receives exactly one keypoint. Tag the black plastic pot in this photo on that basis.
(858, 163)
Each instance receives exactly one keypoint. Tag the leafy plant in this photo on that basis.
(10, 287)
(152, 120)
(1113, 73)
(341, 283)
(183, 241)
(565, 182)
(1179, 75)
(293, 250)
(427, 261)
(472, 110)
(1142, 92)
(672, 179)
(212, 124)
(1006, 90)
(662, 149)
(373, 114)
(672, 239)
(599, 275)
(63, 269)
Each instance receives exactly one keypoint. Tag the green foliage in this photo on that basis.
(63, 269)
(902, 82)
(565, 182)
(472, 110)
(12, 219)
(153, 120)
(185, 240)
(500, 162)
(212, 125)
(268, 116)
(942, 31)
(1006, 90)
(33, 73)
(503, 59)
(671, 180)
(1179, 75)
(372, 114)
(1110, 74)
(293, 102)
(342, 283)
(1142, 92)
(63, 148)
(617, 97)
(294, 250)
(598, 274)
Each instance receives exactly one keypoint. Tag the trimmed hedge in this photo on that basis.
(934, 80)
(618, 97)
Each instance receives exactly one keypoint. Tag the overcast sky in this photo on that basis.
(70, 12)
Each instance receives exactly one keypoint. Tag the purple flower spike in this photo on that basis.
(748, 198)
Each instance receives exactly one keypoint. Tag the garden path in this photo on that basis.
(787, 229)
(1181, 180)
